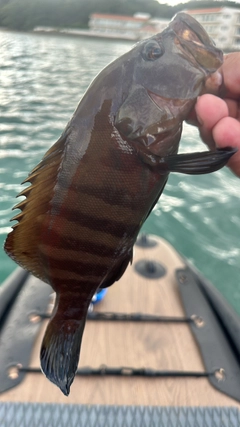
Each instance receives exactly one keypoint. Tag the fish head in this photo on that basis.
(169, 71)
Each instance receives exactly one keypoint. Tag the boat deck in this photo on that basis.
(154, 345)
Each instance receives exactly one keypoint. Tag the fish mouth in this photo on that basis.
(194, 42)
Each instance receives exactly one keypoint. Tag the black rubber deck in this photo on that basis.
(55, 415)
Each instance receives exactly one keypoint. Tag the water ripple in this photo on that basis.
(42, 79)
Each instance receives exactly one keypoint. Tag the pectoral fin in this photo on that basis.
(197, 163)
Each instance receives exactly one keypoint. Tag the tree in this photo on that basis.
(26, 14)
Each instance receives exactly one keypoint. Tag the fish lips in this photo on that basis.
(196, 43)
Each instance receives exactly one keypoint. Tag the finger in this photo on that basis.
(208, 107)
(231, 75)
(213, 83)
(209, 110)
(227, 133)
(233, 109)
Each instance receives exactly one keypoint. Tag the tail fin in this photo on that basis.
(60, 351)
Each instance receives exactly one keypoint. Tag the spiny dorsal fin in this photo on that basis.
(22, 243)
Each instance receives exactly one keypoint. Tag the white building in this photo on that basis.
(222, 24)
(135, 27)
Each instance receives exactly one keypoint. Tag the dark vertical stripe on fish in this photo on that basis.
(108, 226)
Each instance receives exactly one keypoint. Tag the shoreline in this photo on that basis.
(87, 34)
(72, 33)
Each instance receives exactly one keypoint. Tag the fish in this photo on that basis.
(94, 188)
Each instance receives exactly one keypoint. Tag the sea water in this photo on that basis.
(42, 78)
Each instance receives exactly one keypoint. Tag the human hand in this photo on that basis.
(218, 118)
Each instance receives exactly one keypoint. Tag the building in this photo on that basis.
(222, 24)
(120, 27)
(135, 27)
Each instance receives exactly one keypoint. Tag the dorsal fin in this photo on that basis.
(22, 243)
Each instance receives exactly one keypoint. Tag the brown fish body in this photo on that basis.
(96, 186)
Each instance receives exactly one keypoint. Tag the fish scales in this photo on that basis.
(97, 217)
(89, 196)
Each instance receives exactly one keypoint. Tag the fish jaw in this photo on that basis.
(196, 43)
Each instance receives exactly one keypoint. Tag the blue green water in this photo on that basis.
(42, 78)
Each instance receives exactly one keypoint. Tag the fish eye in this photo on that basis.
(152, 51)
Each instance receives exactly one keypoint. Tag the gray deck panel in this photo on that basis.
(58, 415)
